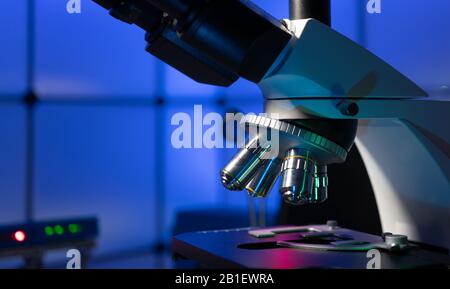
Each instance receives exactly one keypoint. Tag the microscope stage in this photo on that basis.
(240, 248)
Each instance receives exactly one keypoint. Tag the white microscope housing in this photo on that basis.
(402, 135)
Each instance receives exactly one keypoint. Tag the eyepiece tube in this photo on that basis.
(175, 8)
(138, 12)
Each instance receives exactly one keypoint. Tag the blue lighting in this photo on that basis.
(102, 144)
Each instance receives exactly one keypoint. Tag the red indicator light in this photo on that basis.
(20, 236)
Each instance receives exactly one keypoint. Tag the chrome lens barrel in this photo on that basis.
(303, 181)
(242, 168)
(297, 174)
(265, 178)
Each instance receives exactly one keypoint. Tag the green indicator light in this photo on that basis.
(74, 228)
(59, 229)
(49, 231)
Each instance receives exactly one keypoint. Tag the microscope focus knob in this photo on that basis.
(396, 242)
(332, 224)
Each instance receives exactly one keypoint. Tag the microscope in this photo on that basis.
(323, 94)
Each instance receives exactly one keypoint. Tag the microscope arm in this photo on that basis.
(403, 134)
(404, 144)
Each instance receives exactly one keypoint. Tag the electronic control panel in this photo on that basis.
(47, 233)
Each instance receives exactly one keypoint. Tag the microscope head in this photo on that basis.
(212, 42)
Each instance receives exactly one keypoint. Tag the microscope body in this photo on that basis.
(402, 134)
(322, 94)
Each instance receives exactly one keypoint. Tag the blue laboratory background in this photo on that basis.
(102, 142)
